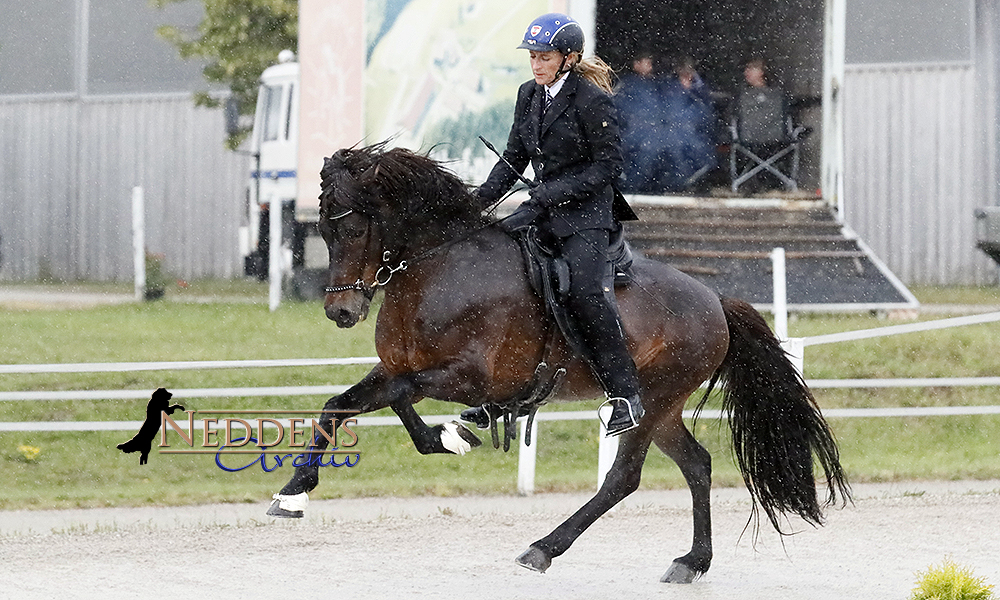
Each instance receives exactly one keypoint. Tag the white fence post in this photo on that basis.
(274, 254)
(139, 242)
(526, 459)
(607, 447)
(780, 294)
(796, 347)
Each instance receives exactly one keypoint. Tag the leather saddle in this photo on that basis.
(549, 275)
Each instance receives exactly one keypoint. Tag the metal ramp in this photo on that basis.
(727, 245)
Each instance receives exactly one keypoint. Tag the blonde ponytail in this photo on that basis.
(597, 71)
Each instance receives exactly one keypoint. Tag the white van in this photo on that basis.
(273, 182)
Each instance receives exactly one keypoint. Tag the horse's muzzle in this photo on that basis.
(347, 314)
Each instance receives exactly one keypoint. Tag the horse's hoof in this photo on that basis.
(288, 507)
(680, 573)
(457, 439)
(534, 559)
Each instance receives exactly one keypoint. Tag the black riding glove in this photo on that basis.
(524, 216)
(540, 195)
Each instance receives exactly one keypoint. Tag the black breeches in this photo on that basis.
(591, 305)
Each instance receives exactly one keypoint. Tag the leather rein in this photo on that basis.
(386, 270)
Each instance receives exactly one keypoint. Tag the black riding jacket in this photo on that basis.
(574, 150)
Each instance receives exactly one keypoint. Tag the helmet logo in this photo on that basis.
(535, 29)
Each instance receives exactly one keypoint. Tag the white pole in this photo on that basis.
(607, 447)
(274, 254)
(780, 294)
(796, 349)
(139, 242)
(526, 459)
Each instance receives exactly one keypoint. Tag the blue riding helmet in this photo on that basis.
(553, 31)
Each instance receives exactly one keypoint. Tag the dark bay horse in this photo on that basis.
(460, 323)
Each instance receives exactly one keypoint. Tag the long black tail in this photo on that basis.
(776, 424)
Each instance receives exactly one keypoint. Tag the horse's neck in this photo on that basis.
(463, 262)
(418, 243)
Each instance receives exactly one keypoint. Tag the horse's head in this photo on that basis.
(347, 224)
(378, 209)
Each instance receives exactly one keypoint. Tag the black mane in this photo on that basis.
(404, 192)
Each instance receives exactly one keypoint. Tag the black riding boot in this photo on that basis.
(609, 359)
(625, 415)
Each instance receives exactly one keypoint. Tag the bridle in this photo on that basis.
(368, 289)
(382, 275)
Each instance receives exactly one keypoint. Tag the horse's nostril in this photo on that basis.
(331, 312)
(341, 316)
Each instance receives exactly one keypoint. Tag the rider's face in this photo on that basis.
(545, 65)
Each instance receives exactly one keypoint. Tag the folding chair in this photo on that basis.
(762, 131)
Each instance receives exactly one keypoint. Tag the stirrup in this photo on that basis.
(625, 414)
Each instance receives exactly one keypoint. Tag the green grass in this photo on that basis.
(85, 469)
(957, 294)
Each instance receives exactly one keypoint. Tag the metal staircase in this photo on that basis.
(727, 244)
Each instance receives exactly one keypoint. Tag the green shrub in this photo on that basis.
(951, 581)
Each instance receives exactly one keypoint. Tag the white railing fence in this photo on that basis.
(527, 454)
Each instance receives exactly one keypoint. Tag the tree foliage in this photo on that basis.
(239, 39)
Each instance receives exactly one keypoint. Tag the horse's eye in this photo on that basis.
(351, 226)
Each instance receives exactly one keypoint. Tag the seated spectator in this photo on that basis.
(760, 114)
(638, 98)
(690, 134)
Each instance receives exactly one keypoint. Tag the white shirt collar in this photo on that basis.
(555, 87)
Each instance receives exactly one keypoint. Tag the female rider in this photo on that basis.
(566, 126)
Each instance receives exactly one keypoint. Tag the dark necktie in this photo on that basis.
(547, 101)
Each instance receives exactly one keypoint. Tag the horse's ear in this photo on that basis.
(333, 163)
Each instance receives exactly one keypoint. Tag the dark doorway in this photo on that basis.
(721, 36)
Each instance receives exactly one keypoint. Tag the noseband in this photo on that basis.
(368, 289)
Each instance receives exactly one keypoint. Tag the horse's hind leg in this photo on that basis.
(696, 465)
(621, 480)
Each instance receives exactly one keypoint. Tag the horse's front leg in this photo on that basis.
(377, 390)
(447, 438)
(371, 393)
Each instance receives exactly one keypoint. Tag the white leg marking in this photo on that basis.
(296, 502)
(452, 441)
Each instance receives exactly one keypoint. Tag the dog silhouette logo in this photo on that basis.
(143, 441)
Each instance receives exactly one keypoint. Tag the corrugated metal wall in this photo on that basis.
(66, 176)
(916, 167)
(921, 143)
